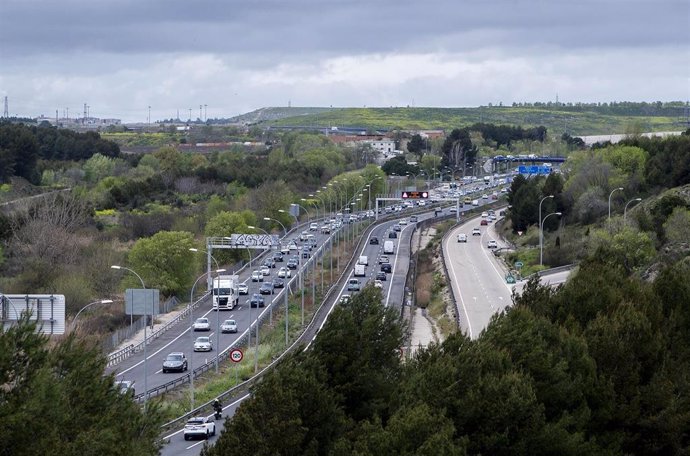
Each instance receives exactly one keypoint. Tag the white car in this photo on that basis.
(257, 276)
(485, 214)
(402, 222)
(378, 284)
(476, 232)
(199, 426)
(228, 326)
(383, 259)
(292, 246)
(201, 324)
(344, 299)
(203, 344)
(492, 244)
(243, 289)
(265, 270)
(462, 237)
(284, 273)
(285, 249)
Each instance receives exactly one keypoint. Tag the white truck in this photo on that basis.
(360, 270)
(226, 292)
(363, 259)
(389, 248)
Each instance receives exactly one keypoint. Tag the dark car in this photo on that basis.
(306, 252)
(292, 263)
(278, 283)
(374, 240)
(380, 275)
(256, 300)
(392, 235)
(175, 362)
(266, 288)
(386, 267)
(396, 228)
(278, 257)
(270, 262)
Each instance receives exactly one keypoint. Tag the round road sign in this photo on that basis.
(236, 355)
(519, 264)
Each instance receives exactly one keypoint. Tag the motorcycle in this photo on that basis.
(218, 413)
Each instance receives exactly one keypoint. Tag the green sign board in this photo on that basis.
(510, 279)
(519, 264)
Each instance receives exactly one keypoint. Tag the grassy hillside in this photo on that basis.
(575, 123)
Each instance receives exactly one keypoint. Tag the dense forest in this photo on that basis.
(596, 367)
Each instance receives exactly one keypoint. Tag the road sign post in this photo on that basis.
(236, 356)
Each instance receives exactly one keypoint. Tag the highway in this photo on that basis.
(392, 292)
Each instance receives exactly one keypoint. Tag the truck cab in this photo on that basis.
(225, 292)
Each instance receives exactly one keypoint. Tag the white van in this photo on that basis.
(360, 270)
(363, 260)
(475, 202)
(389, 248)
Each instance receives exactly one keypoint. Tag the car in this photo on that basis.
(386, 267)
(265, 270)
(485, 214)
(492, 244)
(384, 259)
(278, 283)
(243, 288)
(476, 232)
(303, 236)
(199, 426)
(374, 240)
(306, 251)
(484, 222)
(485, 196)
(413, 219)
(378, 284)
(392, 235)
(292, 246)
(269, 263)
(228, 326)
(175, 361)
(292, 263)
(257, 276)
(313, 226)
(266, 288)
(396, 227)
(402, 222)
(256, 300)
(203, 344)
(201, 324)
(284, 273)
(326, 229)
(380, 275)
(125, 387)
(277, 258)
(285, 249)
(353, 285)
(344, 299)
(462, 237)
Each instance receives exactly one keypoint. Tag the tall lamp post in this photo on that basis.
(191, 335)
(611, 194)
(625, 209)
(101, 301)
(276, 220)
(146, 323)
(541, 240)
(541, 233)
(218, 306)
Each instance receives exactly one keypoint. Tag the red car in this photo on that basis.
(483, 222)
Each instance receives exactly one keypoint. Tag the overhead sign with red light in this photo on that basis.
(415, 195)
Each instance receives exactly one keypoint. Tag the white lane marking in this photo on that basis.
(457, 285)
(397, 251)
(492, 264)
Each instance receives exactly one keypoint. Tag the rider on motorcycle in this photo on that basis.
(217, 406)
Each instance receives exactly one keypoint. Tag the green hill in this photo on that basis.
(576, 120)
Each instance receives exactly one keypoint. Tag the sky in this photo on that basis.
(234, 56)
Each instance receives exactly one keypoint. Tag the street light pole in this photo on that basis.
(541, 234)
(625, 209)
(275, 220)
(610, 194)
(102, 301)
(146, 323)
(541, 242)
(191, 335)
(217, 307)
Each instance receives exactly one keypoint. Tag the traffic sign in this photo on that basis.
(236, 355)
(415, 195)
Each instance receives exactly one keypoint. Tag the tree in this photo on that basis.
(163, 261)
(58, 392)
(676, 226)
(417, 146)
(398, 166)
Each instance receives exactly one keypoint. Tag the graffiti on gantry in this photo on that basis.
(253, 240)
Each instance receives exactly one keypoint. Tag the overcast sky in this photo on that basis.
(238, 55)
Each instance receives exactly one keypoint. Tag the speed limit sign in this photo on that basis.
(236, 355)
